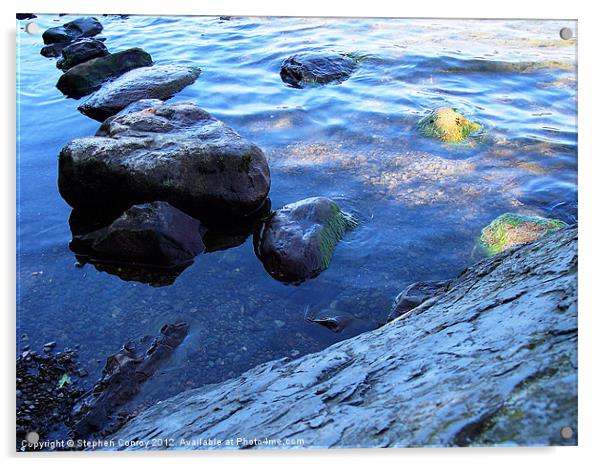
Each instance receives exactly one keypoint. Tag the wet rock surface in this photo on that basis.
(309, 69)
(158, 82)
(176, 153)
(68, 32)
(81, 51)
(446, 374)
(85, 78)
(152, 234)
(123, 376)
(414, 295)
(297, 241)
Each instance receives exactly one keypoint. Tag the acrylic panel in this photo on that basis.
(281, 232)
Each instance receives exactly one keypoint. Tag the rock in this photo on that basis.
(68, 32)
(176, 153)
(492, 361)
(510, 229)
(139, 105)
(81, 51)
(332, 319)
(88, 76)
(297, 242)
(22, 16)
(414, 295)
(53, 50)
(157, 82)
(153, 234)
(307, 69)
(447, 125)
(123, 376)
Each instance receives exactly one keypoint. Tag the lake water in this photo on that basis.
(422, 203)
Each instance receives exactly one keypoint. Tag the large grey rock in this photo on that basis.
(68, 32)
(157, 82)
(307, 69)
(155, 234)
(88, 76)
(297, 242)
(176, 153)
(491, 361)
(81, 51)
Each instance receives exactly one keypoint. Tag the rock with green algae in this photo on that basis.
(297, 242)
(511, 229)
(447, 125)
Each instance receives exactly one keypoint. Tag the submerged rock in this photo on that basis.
(22, 16)
(68, 32)
(491, 361)
(88, 76)
(306, 69)
(297, 242)
(158, 82)
(511, 229)
(81, 51)
(332, 319)
(123, 376)
(176, 153)
(447, 125)
(414, 295)
(153, 234)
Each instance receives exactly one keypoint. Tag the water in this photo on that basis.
(421, 203)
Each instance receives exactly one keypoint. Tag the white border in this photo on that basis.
(590, 154)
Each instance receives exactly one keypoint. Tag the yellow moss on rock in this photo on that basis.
(447, 125)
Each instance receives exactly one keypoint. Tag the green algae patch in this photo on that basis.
(447, 125)
(333, 231)
(511, 229)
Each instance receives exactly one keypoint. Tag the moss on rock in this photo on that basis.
(447, 125)
(511, 229)
(334, 229)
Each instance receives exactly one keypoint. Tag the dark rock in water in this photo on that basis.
(306, 69)
(157, 82)
(414, 295)
(85, 78)
(492, 361)
(332, 319)
(176, 153)
(153, 234)
(68, 32)
(124, 374)
(53, 50)
(22, 16)
(81, 51)
(297, 242)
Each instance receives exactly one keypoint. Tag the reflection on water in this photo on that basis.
(421, 203)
